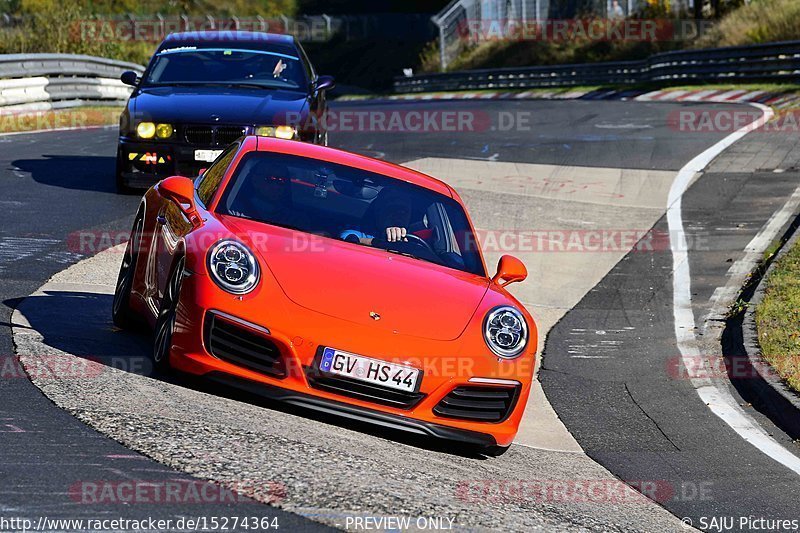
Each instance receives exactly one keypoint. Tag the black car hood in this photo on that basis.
(241, 106)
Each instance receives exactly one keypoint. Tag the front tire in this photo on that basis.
(121, 184)
(165, 324)
(121, 312)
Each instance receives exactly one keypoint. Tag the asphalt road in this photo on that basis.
(611, 368)
(622, 410)
(51, 185)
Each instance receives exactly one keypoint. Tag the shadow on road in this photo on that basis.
(79, 323)
(88, 173)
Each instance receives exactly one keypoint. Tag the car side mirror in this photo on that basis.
(181, 191)
(129, 77)
(325, 83)
(509, 270)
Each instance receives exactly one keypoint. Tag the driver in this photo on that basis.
(267, 196)
(391, 212)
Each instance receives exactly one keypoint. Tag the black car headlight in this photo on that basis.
(233, 267)
(148, 130)
(505, 332)
(281, 132)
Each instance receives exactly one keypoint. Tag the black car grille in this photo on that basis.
(227, 134)
(212, 135)
(483, 404)
(243, 347)
(364, 391)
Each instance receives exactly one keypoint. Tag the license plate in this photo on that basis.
(369, 370)
(206, 155)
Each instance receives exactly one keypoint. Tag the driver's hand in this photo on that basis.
(395, 234)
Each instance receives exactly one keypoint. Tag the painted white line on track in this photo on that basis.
(715, 395)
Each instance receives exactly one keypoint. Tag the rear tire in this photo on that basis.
(165, 324)
(121, 312)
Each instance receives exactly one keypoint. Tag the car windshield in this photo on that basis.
(352, 205)
(279, 69)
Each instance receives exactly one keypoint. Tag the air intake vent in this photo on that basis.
(227, 134)
(239, 345)
(483, 404)
(202, 135)
(212, 135)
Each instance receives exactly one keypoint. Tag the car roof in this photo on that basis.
(343, 157)
(253, 39)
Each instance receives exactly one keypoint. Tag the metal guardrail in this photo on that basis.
(45, 81)
(773, 62)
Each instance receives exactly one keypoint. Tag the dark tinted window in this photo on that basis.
(281, 68)
(357, 206)
(211, 178)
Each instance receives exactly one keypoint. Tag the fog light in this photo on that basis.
(164, 131)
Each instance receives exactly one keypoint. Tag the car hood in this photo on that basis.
(243, 106)
(358, 283)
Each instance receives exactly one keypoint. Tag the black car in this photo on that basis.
(201, 92)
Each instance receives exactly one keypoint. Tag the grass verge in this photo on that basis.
(778, 318)
(75, 117)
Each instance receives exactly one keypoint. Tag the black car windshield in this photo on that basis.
(279, 69)
(352, 205)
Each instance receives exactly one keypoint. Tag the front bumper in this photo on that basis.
(353, 412)
(279, 320)
(143, 164)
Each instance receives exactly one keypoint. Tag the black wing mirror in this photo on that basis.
(129, 77)
(324, 83)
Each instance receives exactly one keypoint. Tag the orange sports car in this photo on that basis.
(335, 282)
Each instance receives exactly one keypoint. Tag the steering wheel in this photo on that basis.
(411, 246)
(419, 241)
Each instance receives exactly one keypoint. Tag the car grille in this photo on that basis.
(364, 391)
(484, 404)
(212, 135)
(243, 347)
(227, 134)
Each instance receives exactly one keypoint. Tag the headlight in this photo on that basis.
(281, 132)
(233, 267)
(164, 131)
(506, 332)
(146, 130)
(285, 132)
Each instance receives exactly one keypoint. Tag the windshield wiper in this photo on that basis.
(246, 84)
(412, 256)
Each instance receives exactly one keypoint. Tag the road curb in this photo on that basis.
(781, 401)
